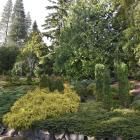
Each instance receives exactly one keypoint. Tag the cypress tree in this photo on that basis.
(123, 92)
(5, 21)
(18, 30)
(103, 92)
(99, 78)
(107, 91)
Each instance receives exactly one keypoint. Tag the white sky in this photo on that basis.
(35, 7)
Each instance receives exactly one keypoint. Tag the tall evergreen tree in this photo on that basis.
(123, 81)
(35, 27)
(28, 22)
(33, 48)
(18, 30)
(55, 20)
(5, 21)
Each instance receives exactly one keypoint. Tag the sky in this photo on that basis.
(35, 7)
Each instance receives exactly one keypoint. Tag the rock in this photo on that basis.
(11, 133)
(3, 131)
(119, 138)
(34, 135)
(92, 138)
(11, 138)
(135, 92)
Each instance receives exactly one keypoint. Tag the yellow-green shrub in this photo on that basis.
(40, 105)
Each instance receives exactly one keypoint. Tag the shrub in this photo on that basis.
(93, 120)
(8, 55)
(136, 105)
(9, 95)
(84, 88)
(29, 79)
(99, 77)
(137, 97)
(123, 91)
(52, 82)
(103, 91)
(40, 105)
(107, 99)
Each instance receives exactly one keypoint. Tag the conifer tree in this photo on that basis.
(107, 91)
(33, 48)
(103, 93)
(99, 77)
(18, 30)
(5, 21)
(28, 22)
(55, 20)
(35, 27)
(122, 75)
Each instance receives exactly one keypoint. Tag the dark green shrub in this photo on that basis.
(29, 79)
(107, 99)
(8, 95)
(44, 81)
(103, 90)
(99, 77)
(52, 82)
(8, 56)
(123, 84)
(137, 97)
(58, 82)
(98, 122)
(84, 88)
(136, 105)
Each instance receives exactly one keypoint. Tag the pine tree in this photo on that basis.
(55, 20)
(5, 21)
(18, 30)
(28, 22)
(35, 27)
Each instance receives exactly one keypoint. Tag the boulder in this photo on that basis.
(11, 138)
(11, 133)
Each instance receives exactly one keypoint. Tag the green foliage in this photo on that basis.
(99, 77)
(137, 97)
(136, 105)
(56, 19)
(40, 105)
(52, 83)
(29, 79)
(97, 122)
(84, 88)
(32, 51)
(103, 90)
(90, 36)
(18, 30)
(28, 23)
(107, 100)
(45, 65)
(8, 55)
(123, 91)
(8, 95)
(5, 21)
